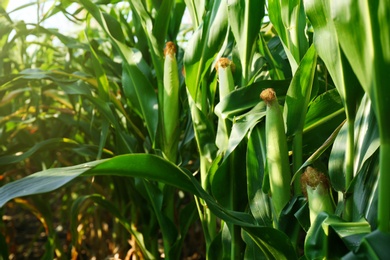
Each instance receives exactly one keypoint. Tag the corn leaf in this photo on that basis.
(204, 132)
(273, 243)
(326, 43)
(299, 93)
(259, 203)
(289, 20)
(366, 143)
(373, 246)
(332, 228)
(154, 39)
(243, 124)
(153, 168)
(161, 23)
(204, 46)
(230, 173)
(245, 20)
(242, 99)
(369, 55)
(144, 90)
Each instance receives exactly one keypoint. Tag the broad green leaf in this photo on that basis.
(144, 94)
(325, 114)
(259, 203)
(331, 237)
(161, 22)
(369, 55)
(252, 251)
(187, 217)
(303, 216)
(289, 20)
(242, 99)
(274, 59)
(289, 222)
(299, 92)
(42, 182)
(204, 132)
(102, 80)
(368, 52)
(215, 248)
(168, 228)
(273, 243)
(366, 134)
(230, 175)
(317, 154)
(149, 167)
(364, 189)
(323, 109)
(243, 124)
(227, 242)
(148, 103)
(245, 20)
(145, 166)
(337, 160)
(176, 18)
(373, 246)
(155, 39)
(114, 27)
(327, 45)
(366, 143)
(129, 89)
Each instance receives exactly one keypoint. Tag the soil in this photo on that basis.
(26, 238)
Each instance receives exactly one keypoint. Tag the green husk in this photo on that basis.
(170, 103)
(277, 153)
(225, 69)
(315, 187)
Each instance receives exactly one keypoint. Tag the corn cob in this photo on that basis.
(170, 102)
(277, 153)
(224, 68)
(315, 187)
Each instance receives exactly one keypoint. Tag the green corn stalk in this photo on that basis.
(170, 104)
(315, 187)
(225, 68)
(277, 153)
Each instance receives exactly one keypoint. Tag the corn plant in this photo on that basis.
(259, 122)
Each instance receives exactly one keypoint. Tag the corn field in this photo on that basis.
(182, 129)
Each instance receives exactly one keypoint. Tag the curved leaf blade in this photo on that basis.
(245, 21)
(299, 92)
(145, 166)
